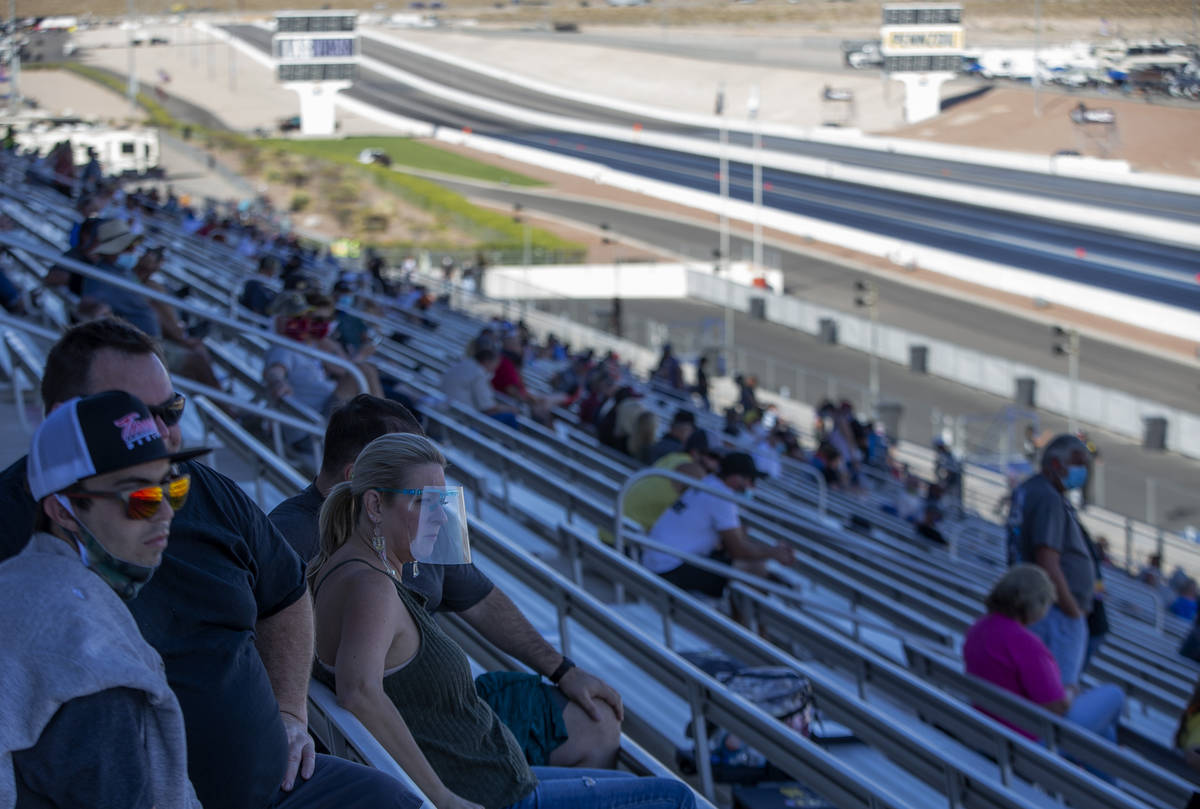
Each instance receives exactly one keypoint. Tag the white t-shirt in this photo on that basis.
(467, 383)
(693, 525)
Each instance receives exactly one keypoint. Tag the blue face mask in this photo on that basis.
(127, 261)
(1076, 476)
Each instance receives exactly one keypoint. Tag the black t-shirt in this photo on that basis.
(88, 755)
(225, 568)
(452, 588)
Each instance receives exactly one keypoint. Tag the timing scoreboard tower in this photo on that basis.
(316, 55)
(922, 46)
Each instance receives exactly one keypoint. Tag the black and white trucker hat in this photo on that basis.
(92, 436)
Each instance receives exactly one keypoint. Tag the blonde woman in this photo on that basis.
(397, 671)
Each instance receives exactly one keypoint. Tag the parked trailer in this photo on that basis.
(120, 151)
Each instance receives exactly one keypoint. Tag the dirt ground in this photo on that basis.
(1152, 137)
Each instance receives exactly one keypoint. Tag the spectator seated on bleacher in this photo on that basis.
(647, 499)
(599, 400)
(509, 381)
(468, 382)
(105, 730)
(832, 466)
(308, 318)
(186, 355)
(260, 290)
(1152, 572)
(1187, 737)
(641, 435)
(392, 665)
(227, 610)
(1001, 649)
(683, 423)
(1184, 604)
(911, 505)
(115, 251)
(704, 524)
(578, 702)
(571, 380)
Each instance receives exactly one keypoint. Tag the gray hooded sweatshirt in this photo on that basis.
(68, 635)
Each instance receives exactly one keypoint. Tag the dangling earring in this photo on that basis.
(380, 547)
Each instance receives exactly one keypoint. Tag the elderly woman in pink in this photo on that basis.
(1000, 648)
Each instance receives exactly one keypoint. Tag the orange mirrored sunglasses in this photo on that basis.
(143, 503)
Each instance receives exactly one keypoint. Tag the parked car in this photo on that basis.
(374, 157)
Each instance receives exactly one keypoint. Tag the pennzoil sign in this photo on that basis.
(942, 39)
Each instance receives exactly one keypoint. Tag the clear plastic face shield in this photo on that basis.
(441, 534)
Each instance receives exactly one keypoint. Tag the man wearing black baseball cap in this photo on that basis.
(227, 610)
(84, 692)
(705, 524)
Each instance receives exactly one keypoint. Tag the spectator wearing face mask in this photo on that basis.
(117, 251)
(307, 318)
(1044, 530)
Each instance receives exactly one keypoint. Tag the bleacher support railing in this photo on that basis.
(7, 239)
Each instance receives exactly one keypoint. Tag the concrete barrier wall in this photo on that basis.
(1113, 410)
(602, 281)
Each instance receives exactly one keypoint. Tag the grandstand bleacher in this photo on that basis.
(872, 615)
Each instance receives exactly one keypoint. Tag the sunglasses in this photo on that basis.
(422, 500)
(170, 411)
(144, 503)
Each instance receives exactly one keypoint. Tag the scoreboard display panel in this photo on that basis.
(314, 23)
(307, 48)
(315, 46)
(922, 38)
(318, 72)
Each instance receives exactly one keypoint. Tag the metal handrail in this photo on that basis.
(710, 701)
(268, 466)
(8, 240)
(868, 667)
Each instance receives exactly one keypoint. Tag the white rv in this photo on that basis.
(120, 151)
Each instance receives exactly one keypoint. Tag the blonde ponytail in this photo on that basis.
(383, 464)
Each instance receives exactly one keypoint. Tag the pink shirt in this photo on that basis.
(1003, 652)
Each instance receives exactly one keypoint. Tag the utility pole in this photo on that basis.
(752, 110)
(1066, 343)
(1037, 51)
(232, 52)
(724, 171)
(866, 294)
(132, 86)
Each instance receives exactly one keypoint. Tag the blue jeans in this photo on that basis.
(572, 788)
(1066, 638)
(346, 785)
(1098, 710)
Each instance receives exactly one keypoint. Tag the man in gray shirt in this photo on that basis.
(1044, 530)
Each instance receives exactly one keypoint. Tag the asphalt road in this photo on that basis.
(387, 93)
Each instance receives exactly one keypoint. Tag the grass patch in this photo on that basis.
(495, 232)
(406, 152)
